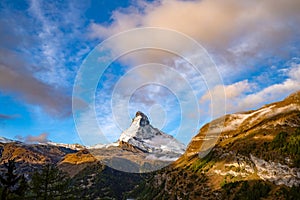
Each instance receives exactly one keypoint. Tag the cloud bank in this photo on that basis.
(234, 28)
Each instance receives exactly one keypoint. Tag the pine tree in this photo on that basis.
(50, 183)
(13, 185)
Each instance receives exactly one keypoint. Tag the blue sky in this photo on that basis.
(254, 45)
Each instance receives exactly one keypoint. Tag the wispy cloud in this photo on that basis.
(232, 31)
(61, 38)
(42, 45)
(273, 92)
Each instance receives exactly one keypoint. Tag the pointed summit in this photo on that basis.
(143, 136)
(144, 119)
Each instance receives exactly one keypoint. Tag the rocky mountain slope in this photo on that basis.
(257, 155)
(31, 157)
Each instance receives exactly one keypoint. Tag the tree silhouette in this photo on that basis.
(50, 183)
(13, 185)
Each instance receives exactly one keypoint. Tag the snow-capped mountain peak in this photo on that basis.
(142, 135)
(143, 119)
(137, 128)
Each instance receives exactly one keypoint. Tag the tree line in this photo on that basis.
(47, 183)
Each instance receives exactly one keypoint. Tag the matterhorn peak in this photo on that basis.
(143, 119)
(142, 135)
(140, 119)
(140, 128)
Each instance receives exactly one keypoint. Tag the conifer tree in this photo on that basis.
(50, 183)
(13, 185)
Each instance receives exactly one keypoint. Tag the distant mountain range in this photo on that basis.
(140, 148)
(257, 155)
(141, 136)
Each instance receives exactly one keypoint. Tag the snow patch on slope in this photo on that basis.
(240, 118)
(236, 120)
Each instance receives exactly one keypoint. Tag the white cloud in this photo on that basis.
(231, 91)
(242, 96)
(269, 94)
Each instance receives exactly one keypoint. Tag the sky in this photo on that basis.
(52, 53)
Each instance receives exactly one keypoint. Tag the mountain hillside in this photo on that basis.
(263, 123)
(257, 155)
(31, 157)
